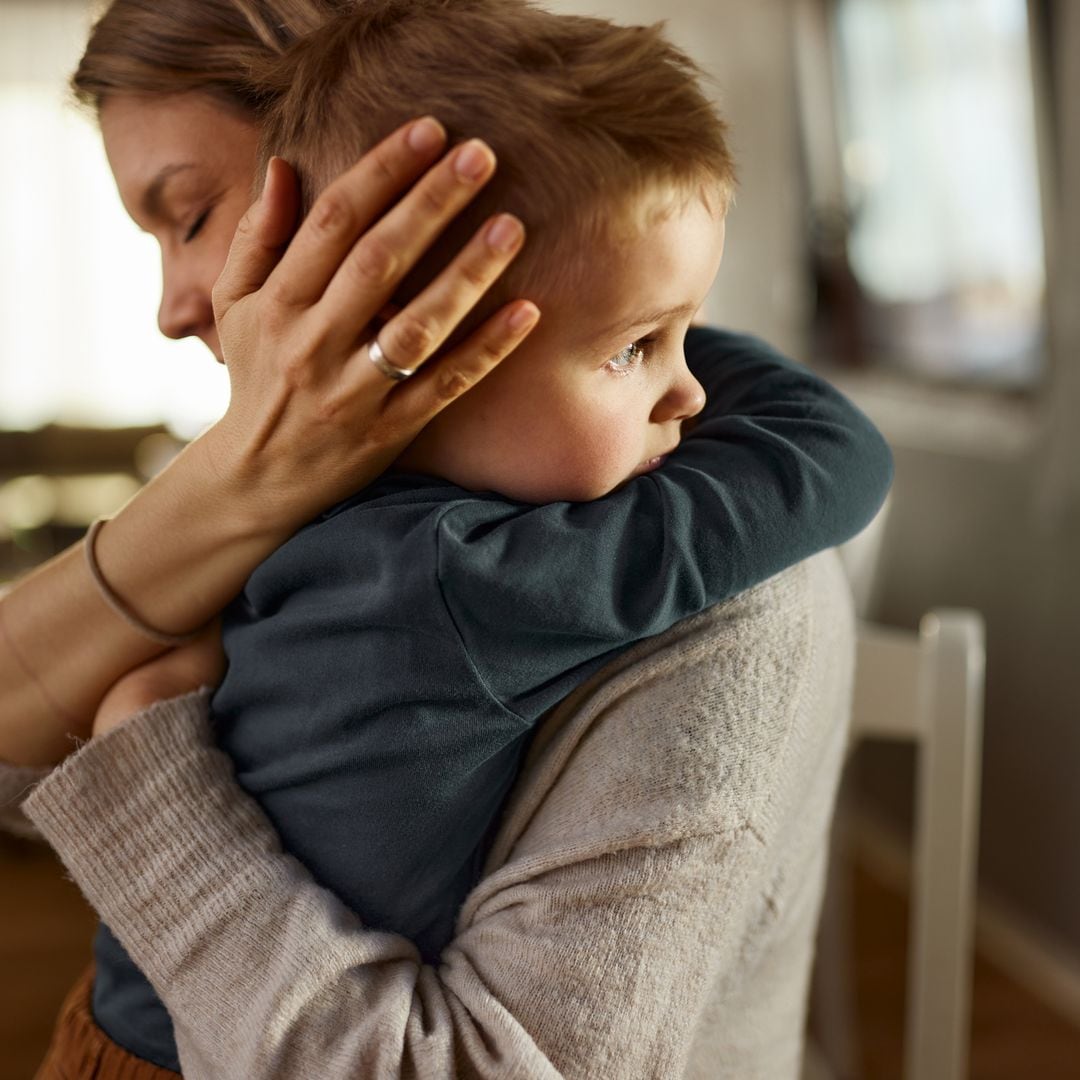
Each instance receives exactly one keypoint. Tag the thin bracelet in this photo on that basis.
(117, 604)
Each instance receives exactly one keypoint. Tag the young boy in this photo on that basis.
(388, 664)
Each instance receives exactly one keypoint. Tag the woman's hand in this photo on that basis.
(311, 421)
(311, 418)
(179, 671)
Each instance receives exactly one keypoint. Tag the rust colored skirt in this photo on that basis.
(80, 1050)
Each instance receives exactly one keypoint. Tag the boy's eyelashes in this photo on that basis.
(630, 357)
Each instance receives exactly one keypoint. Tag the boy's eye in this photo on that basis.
(627, 359)
(196, 226)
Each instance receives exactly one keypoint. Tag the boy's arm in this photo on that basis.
(838, 465)
(778, 467)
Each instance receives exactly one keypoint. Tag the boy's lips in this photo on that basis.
(653, 463)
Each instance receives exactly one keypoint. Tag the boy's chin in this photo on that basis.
(482, 478)
(539, 491)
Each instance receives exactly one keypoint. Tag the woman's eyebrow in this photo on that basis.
(151, 200)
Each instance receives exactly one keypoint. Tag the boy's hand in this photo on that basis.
(179, 671)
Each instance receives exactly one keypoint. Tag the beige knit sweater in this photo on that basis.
(649, 905)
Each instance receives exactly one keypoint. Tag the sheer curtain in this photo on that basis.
(937, 120)
(79, 284)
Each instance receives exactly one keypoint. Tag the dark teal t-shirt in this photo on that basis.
(389, 662)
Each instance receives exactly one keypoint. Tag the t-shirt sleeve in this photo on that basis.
(778, 467)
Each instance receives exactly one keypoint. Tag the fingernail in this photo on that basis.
(426, 135)
(504, 233)
(266, 180)
(526, 314)
(473, 161)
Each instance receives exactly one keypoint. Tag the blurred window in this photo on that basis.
(928, 233)
(79, 284)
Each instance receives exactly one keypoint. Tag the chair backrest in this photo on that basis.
(861, 557)
(928, 688)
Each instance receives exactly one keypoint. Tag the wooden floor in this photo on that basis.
(45, 932)
(1014, 1036)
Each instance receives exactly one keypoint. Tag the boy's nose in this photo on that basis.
(684, 398)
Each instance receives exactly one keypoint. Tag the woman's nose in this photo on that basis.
(186, 309)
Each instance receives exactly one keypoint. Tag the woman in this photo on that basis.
(253, 472)
(368, 1004)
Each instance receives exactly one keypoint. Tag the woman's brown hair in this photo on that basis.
(180, 46)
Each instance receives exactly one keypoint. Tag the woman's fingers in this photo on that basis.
(303, 394)
(387, 252)
(416, 332)
(260, 237)
(428, 392)
(348, 207)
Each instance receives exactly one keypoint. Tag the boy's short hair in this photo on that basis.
(583, 114)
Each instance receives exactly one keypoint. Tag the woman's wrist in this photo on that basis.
(175, 555)
(185, 545)
(267, 499)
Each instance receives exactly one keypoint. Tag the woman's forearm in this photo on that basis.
(592, 925)
(176, 554)
(219, 883)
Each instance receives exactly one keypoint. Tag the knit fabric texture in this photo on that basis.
(388, 664)
(648, 907)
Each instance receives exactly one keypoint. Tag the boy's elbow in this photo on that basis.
(873, 464)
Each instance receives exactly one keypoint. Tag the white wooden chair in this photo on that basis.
(926, 688)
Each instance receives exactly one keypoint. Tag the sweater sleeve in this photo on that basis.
(779, 466)
(267, 975)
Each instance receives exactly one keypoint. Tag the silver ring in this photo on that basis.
(378, 358)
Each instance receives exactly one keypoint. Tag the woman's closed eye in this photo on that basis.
(196, 225)
(628, 359)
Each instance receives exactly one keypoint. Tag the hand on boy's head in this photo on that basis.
(584, 115)
(612, 156)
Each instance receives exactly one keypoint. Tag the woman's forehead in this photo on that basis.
(150, 140)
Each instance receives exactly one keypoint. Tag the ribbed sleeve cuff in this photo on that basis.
(151, 825)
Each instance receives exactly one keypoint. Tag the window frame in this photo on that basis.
(819, 137)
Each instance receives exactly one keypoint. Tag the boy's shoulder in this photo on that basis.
(388, 531)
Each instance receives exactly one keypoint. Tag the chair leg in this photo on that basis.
(832, 1006)
(946, 825)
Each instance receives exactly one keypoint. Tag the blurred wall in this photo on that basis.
(745, 49)
(1001, 533)
(977, 526)
(969, 531)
